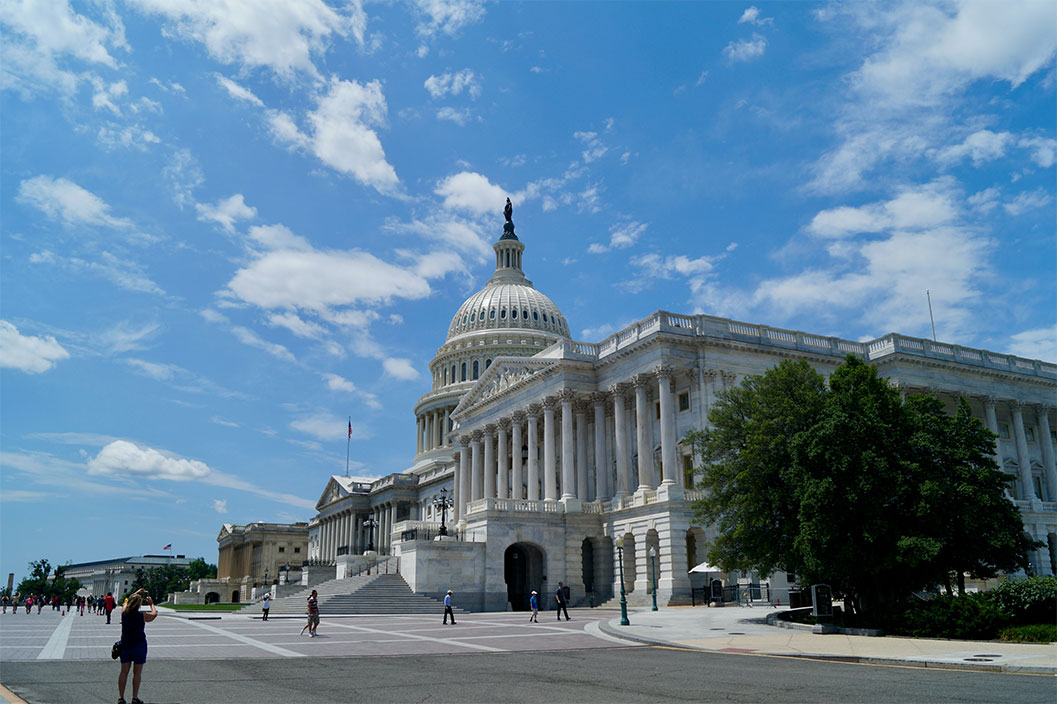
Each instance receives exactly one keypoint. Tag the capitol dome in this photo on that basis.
(508, 305)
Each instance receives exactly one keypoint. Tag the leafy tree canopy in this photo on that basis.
(848, 485)
(38, 583)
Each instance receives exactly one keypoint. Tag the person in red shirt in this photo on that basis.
(108, 605)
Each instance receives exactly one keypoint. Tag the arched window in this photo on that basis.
(502, 314)
(508, 259)
(487, 363)
(475, 369)
(464, 371)
(453, 373)
(535, 315)
(513, 313)
(492, 314)
(524, 313)
(471, 316)
(544, 317)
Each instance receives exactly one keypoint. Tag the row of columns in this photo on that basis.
(1042, 425)
(433, 429)
(345, 528)
(600, 421)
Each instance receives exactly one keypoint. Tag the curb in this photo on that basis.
(608, 628)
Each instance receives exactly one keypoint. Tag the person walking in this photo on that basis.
(3, 600)
(313, 615)
(133, 650)
(108, 605)
(447, 608)
(266, 604)
(534, 604)
(559, 596)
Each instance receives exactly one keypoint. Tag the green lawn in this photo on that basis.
(204, 607)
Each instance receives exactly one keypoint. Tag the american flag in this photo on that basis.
(168, 547)
(350, 428)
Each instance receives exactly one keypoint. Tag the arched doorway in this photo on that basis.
(212, 597)
(523, 573)
(587, 565)
(235, 597)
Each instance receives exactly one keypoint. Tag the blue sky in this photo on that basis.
(229, 226)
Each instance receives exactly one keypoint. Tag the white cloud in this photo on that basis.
(914, 208)
(220, 505)
(27, 353)
(295, 324)
(600, 333)
(226, 212)
(226, 423)
(446, 16)
(654, 266)
(121, 271)
(275, 34)
(123, 337)
(277, 237)
(1043, 150)
(1040, 343)
(62, 199)
(339, 383)
(594, 149)
(471, 191)
(981, 146)
(112, 136)
(400, 368)
(125, 459)
(179, 378)
(342, 134)
(184, 176)
(1027, 201)
(746, 49)
(752, 16)
(459, 117)
(239, 92)
(319, 280)
(622, 236)
(248, 337)
(328, 427)
(454, 84)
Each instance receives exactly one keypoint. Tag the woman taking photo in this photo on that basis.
(134, 643)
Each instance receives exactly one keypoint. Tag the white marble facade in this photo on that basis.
(555, 448)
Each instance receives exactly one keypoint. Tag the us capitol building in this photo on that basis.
(556, 451)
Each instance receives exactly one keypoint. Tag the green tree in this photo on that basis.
(849, 486)
(198, 568)
(161, 581)
(62, 586)
(37, 581)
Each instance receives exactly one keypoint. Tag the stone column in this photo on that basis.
(582, 474)
(436, 428)
(708, 385)
(642, 438)
(357, 533)
(418, 439)
(620, 440)
(1049, 465)
(992, 425)
(1023, 458)
(501, 458)
(516, 490)
(550, 481)
(601, 467)
(568, 468)
(533, 470)
(669, 473)
(464, 478)
(445, 435)
(477, 469)
(456, 487)
(489, 461)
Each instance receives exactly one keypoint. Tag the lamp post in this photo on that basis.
(653, 564)
(444, 501)
(619, 542)
(370, 524)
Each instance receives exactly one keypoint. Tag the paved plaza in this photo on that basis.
(49, 636)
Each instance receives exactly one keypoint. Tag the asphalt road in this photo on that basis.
(603, 675)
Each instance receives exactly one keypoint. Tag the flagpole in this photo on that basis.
(348, 444)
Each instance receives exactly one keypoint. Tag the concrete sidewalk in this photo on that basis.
(745, 630)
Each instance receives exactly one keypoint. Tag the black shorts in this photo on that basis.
(137, 654)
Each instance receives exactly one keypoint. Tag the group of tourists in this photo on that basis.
(101, 605)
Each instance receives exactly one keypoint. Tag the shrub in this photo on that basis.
(1037, 633)
(969, 617)
(1027, 601)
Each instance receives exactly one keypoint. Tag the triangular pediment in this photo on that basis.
(331, 493)
(505, 375)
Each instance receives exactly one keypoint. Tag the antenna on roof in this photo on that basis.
(931, 319)
(348, 442)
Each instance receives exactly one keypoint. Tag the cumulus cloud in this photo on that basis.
(594, 149)
(276, 35)
(400, 368)
(28, 353)
(226, 212)
(1039, 343)
(1043, 150)
(454, 84)
(471, 191)
(621, 236)
(328, 427)
(980, 146)
(913, 208)
(342, 132)
(123, 458)
(446, 17)
(746, 49)
(459, 117)
(752, 16)
(62, 199)
(1024, 202)
(220, 505)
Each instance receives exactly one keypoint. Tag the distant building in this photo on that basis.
(260, 551)
(116, 575)
(556, 451)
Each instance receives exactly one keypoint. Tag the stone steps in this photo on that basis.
(374, 594)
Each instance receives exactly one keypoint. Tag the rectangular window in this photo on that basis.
(790, 577)
(657, 409)
(688, 471)
(684, 401)
(1037, 480)
(1003, 431)
(1029, 433)
(282, 549)
(1012, 487)
(1053, 436)
(297, 549)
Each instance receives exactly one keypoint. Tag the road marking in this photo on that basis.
(415, 636)
(55, 648)
(247, 640)
(595, 630)
(10, 696)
